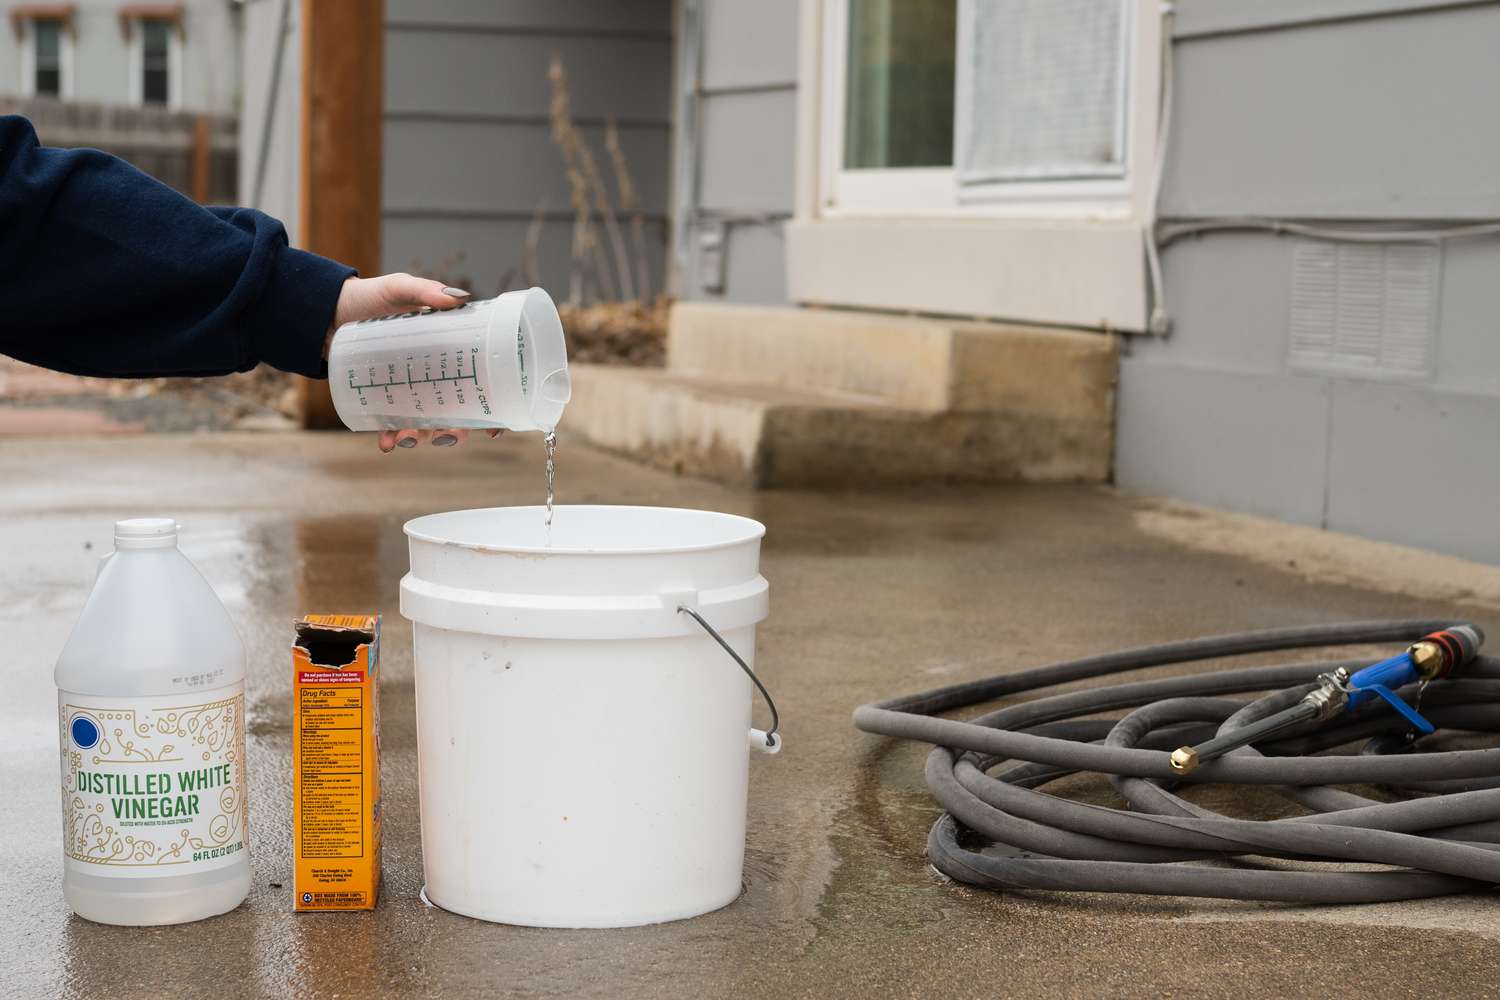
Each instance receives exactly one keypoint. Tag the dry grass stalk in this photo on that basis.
(580, 158)
(630, 204)
(530, 273)
(562, 129)
(582, 228)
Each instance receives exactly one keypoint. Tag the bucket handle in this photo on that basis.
(768, 741)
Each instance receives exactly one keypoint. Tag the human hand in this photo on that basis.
(368, 298)
(439, 437)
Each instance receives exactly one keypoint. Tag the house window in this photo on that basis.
(45, 36)
(47, 61)
(899, 109)
(1000, 107)
(154, 34)
(156, 45)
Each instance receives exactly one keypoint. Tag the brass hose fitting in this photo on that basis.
(1428, 658)
(1184, 759)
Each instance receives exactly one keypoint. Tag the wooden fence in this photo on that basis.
(198, 154)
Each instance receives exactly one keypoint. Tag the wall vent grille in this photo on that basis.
(1364, 309)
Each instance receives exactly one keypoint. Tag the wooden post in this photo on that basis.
(343, 103)
(202, 152)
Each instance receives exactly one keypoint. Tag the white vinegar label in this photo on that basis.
(153, 786)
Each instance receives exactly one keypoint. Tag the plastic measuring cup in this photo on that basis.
(499, 362)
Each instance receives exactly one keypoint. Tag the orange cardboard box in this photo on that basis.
(336, 762)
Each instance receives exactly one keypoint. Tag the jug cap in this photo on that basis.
(145, 533)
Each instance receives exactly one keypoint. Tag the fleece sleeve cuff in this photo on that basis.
(288, 326)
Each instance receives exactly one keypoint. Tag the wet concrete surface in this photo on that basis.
(872, 595)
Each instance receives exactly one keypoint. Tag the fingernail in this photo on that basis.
(457, 293)
(444, 440)
(406, 442)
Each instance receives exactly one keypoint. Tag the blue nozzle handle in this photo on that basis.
(1380, 681)
(1407, 712)
(1397, 672)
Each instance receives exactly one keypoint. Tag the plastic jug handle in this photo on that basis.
(768, 741)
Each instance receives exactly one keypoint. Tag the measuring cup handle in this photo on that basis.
(767, 741)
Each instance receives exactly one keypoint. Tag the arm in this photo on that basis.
(105, 271)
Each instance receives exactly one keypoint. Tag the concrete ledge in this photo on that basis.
(768, 436)
(855, 447)
(928, 365)
(1084, 273)
(1064, 374)
(902, 361)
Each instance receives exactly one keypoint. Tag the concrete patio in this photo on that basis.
(873, 594)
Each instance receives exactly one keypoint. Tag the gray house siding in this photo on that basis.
(469, 157)
(270, 143)
(737, 81)
(1353, 386)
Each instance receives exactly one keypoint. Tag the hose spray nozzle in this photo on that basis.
(1435, 655)
(1440, 653)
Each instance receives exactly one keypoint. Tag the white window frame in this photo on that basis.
(1059, 253)
(937, 192)
(28, 59)
(137, 62)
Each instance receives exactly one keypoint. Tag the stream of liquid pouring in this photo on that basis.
(551, 442)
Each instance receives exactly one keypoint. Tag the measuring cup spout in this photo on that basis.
(557, 387)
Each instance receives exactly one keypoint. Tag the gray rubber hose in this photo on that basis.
(1000, 831)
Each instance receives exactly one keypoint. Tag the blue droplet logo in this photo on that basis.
(85, 732)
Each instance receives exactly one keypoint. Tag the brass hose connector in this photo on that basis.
(1428, 658)
(1184, 759)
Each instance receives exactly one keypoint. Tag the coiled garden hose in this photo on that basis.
(1440, 833)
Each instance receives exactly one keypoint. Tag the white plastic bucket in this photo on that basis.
(499, 362)
(583, 745)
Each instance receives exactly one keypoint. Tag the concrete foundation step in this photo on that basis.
(919, 363)
(769, 435)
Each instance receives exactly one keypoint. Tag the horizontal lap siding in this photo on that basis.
(275, 188)
(745, 148)
(609, 18)
(469, 155)
(1341, 112)
(490, 248)
(746, 145)
(504, 168)
(457, 71)
(1389, 117)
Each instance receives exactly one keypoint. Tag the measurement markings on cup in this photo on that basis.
(438, 381)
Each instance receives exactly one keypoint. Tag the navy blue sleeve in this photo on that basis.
(106, 271)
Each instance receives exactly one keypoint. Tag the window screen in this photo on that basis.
(155, 39)
(48, 40)
(1041, 89)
